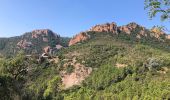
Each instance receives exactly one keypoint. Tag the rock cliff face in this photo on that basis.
(157, 32)
(43, 32)
(34, 42)
(79, 74)
(78, 38)
(47, 49)
(24, 44)
(129, 29)
(39, 37)
(108, 27)
(113, 28)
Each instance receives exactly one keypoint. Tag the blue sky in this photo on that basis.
(69, 17)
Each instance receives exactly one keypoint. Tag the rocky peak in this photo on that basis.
(131, 28)
(42, 32)
(113, 28)
(45, 39)
(133, 25)
(157, 32)
(78, 38)
(24, 44)
(108, 27)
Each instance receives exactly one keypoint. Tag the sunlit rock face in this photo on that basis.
(24, 44)
(78, 38)
(42, 32)
(108, 27)
(131, 29)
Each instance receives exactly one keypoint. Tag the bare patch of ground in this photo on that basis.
(76, 77)
(164, 70)
(118, 65)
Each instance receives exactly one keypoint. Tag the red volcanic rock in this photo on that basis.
(125, 29)
(168, 37)
(108, 27)
(24, 44)
(113, 28)
(47, 49)
(43, 32)
(78, 38)
(130, 29)
(157, 32)
(143, 33)
(133, 25)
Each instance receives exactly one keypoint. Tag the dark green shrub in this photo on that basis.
(70, 69)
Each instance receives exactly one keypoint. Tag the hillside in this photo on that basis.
(107, 62)
(35, 42)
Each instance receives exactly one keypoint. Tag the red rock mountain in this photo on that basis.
(108, 27)
(42, 32)
(39, 37)
(34, 42)
(114, 29)
(78, 38)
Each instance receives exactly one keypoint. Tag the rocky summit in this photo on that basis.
(42, 32)
(108, 27)
(78, 38)
(129, 29)
(36, 41)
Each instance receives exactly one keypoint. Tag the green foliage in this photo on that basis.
(135, 86)
(53, 88)
(134, 82)
(2, 44)
(64, 41)
(70, 69)
(105, 76)
(158, 6)
(144, 76)
(40, 82)
(8, 88)
(16, 67)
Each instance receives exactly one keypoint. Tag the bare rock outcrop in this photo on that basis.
(24, 44)
(131, 29)
(47, 49)
(78, 38)
(37, 33)
(75, 78)
(113, 28)
(118, 65)
(108, 27)
(157, 32)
